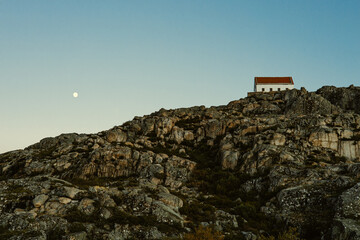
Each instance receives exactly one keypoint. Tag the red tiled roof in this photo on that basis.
(274, 80)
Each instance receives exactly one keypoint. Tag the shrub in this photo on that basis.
(198, 212)
(290, 234)
(77, 227)
(204, 233)
(55, 233)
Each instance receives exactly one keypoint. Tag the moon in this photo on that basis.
(75, 94)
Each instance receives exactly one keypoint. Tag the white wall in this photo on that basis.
(274, 87)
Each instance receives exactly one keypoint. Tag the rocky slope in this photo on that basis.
(253, 167)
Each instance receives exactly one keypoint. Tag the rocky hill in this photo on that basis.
(248, 169)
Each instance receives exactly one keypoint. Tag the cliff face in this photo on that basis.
(252, 167)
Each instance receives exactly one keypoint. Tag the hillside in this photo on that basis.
(255, 166)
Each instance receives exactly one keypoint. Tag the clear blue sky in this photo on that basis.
(131, 58)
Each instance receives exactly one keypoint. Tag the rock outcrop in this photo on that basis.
(253, 167)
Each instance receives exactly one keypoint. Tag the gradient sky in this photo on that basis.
(131, 58)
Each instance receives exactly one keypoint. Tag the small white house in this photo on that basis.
(270, 84)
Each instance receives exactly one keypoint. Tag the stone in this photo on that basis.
(39, 200)
(177, 134)
(249, 130)
(345, 229)
(225, 220)
(249, 236)
(177, 171)
(188, 135)
(105, 213)
(164, 126)
(214, 128)
(77, 236)
(19, 211)
(54, 208)
(349, 203)
(349, 149)
(116, 135)
(229, 159)
(86, 206)
(323, 139)
(70, 192)
(345, 98)
(120, 232)
(170, 200)
(308, 103)
(278, 140)
(166, 214)
(64, 200)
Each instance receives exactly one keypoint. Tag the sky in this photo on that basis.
(131, 58)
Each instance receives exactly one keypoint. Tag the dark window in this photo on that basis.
(278, 89)
(263, 89)
(287, 88)
(270, 89)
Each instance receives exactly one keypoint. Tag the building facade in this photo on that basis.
(271, 84)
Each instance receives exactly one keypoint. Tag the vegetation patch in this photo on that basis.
(5, 233)
(290, 234)
(76, 218)
(223, 190)
(198, 212)
(204, 155)
(77, 227)
(56, 233)
(201, 233)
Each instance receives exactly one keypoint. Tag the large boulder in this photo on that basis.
(346, 98)
(303, 102)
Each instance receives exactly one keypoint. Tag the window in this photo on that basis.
(278, 89)
(263, 89)
(270, 89)
(287, 88)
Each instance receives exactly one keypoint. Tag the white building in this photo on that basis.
(270, 84)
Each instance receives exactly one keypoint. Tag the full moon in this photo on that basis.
(75, 94)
